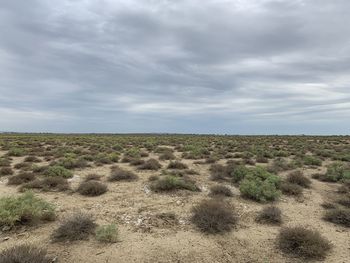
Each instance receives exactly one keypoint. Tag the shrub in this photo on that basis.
(238, 173)
(214, 216)
(119, 174)
(107, 233)
(336, 172)
(21, 178)
(47, 184)
(150, 164)
(24, 254)
(220, 190)
(167, 156)
(302, 242)
(270, 215)
(339, 216)
(92, 188)
(5, 162)
(170, 182)
(6, 171)
(32, 159)
(25, 209)
(17, 152)
(177, 165)
(298, 178)
(217, 172)
(57, 170)
(291, 189)
(136, 161)
(79, 226)
(258, 189)
(311, 160)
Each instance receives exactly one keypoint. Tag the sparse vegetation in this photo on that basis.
(107, 233)
(302, 242)
(78, 226)
(24, 254)
(214, 216)
(92, 188)
(270, 215)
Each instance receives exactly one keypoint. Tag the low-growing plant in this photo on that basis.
(312, 160)
(32, 159)
(260, 186)
(291, 189)
(150, 164)
(339, 216)
(17, 152)
(214, 216)
(21, 178)
(270, 215)
(58, 171)
(170, 182)
(119, 174)
(47, 184)
(78, 226)
(25, 254)
(92, 177)
(167, 156)
(25, 209)
(220, 190)
(107, 233)
(177, 165)
(298, 178)
(6, 171)
(92, 188)
(302, 242)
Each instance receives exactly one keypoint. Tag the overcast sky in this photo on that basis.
(187, 66)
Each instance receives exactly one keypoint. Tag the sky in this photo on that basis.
(194, 66)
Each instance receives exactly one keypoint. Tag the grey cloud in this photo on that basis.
(184, 66)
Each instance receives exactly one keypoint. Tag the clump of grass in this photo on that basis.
(220, 190)
(47, 184)
(58, 171)
(6, 171)
(339, 216)
(312, 160)
(291, 189)
(168, 155)
(17, 152)
(32, 159)
(92, 188)
(150, 164)
(119, 174)
(21, 178)
(302, 242)
(270, 215)
(107, 233)
(214, 216)
(24, 254)
(170, 183)
(78, 226)
(177, 165)
(25, 209)
(298, 178)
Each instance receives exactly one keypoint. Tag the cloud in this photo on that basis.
(217, 66)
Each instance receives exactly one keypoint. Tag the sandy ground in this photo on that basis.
(143, 238)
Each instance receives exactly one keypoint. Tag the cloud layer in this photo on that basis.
(216, 66)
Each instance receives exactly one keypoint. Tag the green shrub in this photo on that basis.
(59, 171)
(302, 242)
(169, 182)
(311, 160)
(107, 233)
(47, 184)
(17, 152)
(260, 185)
(25, 209)
(337, 171)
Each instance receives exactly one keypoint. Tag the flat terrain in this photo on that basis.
(137, 208)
